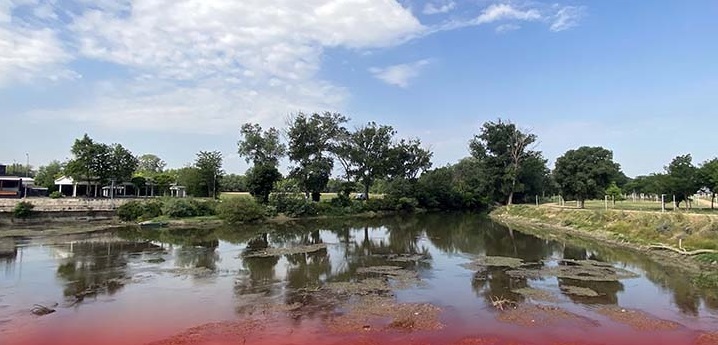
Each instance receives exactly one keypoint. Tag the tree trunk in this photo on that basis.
(511, 199)
(581, 204)
(366, 191)
(713, 197)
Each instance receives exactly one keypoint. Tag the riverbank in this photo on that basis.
(640, 231)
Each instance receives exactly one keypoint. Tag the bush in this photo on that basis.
(130, 211)
(56, 195)
(152, 209)
(406, 204)
(186, 207)
(241, 210)
(23, 210)
(293, 205)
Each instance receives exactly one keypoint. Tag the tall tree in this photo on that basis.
(313, 139)
(585, 172)
(47, 175)
(209, 169)
(149, 165)
(709, 177)
(264, 150)
(121, 164)
(681, 179)
(233, 183)
(90, 161)
(503, 148)
(260, 147)
(367, 153)
(409, 159)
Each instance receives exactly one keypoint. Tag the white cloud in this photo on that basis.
(28, 52)
(506, 12)
(507, 28)
(439, 7)
(214, 64)
(399, 75)
(567, 17)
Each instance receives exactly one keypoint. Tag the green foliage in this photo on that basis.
(261, 180)
(260, 148)
(293, 205)
(241, 210)
(23, 210)
(189, 177)
(56, 195)
(406, 204)
(585, 173)
(503, 150)
(98, 161)
(367, 153)
(209, 172)
(188, 207)
(614, 192)
(149, 165)
(707, 258)
(162, 183)
(233, 183)
(706, 280)
(681, 178)
(312, 141)
(130, 211)
(47, 175)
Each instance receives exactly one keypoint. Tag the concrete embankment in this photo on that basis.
(48, 210)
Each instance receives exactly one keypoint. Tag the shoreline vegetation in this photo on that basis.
(649, 233)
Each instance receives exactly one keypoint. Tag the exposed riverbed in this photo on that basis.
(424, 279)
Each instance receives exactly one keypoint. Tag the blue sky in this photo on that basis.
(172, 77)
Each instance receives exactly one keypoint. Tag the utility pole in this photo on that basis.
(663, 203)
(605, 201)
(27, 171)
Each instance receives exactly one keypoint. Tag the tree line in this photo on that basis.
(503, 167)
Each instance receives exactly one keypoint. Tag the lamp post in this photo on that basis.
(27, 171)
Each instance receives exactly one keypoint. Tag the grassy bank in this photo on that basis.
(631, 229)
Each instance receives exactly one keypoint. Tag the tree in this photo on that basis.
(615, 192)
(47, 175)
(503, 148)
(264, 150)
(367, 154)
(260, 148)
(409, 159)
(233, 183)
(585, 173)
(189, 177)
(209, 169)
(708, 174)
(90, 161)
(260, 181)
(149, 165)
(681, 179)
(121, 164)
(162, 182)
(313, 139)
(17, 169)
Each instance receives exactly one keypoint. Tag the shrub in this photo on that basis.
(56, 195)
(152, 209)
(406, 204)
(204, 207)
(241, 210)
(23, 210)
(130, 211)
(179, 208)
(293, 205)
(342, 200)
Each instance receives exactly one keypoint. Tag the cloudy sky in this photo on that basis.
(173, 77)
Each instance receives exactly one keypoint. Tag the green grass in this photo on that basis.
(702, 206)
(706, 280)
(695, 231)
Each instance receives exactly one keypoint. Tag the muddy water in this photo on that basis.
(200, 286)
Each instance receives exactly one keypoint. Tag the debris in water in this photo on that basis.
(41, 310)
(269, 252)
(536, 294)
(636, 319)
(493, 261)
(579, 291)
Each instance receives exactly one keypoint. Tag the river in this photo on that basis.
(197, 286)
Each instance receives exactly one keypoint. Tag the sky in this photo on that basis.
(173, 77)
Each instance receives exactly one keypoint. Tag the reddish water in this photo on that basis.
(203, 292)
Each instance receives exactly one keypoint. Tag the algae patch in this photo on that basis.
(270, 252)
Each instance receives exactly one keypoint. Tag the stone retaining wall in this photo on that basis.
(64, 204)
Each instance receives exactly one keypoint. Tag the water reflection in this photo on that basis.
(104, 265)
